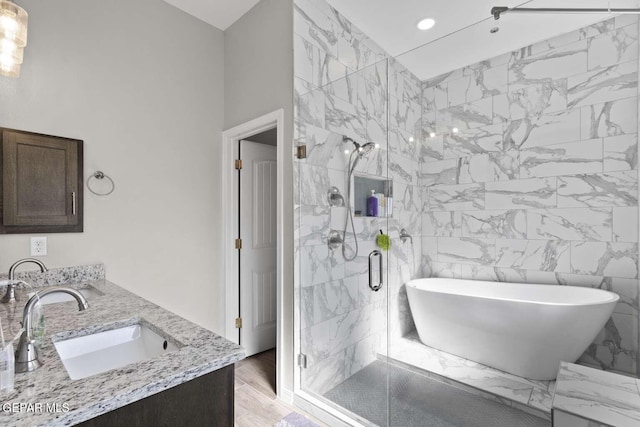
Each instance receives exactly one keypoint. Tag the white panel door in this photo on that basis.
(258, 254)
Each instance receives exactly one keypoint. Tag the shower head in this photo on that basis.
(365, 149)
(362, 150)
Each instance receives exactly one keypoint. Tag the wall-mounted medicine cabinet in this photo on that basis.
(41, 183)
(363, 186)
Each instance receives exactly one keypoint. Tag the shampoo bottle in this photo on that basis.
(372, 204)
(381, 205)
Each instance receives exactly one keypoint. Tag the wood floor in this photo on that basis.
(255, 399)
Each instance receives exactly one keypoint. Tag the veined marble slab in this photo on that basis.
(582, 224)
(600, 396)
(562, 159)
(598, 190)
(621, 152)
(465, 250)
(511, 389)
(441, 224)
(539, 255)
(611, 118)
(522, 194)
(468, 142)
(609, 259)
(456, 197)
(494, 224)
(535, 100)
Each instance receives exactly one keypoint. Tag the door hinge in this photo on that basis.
(302, 360)
(301, 151)
(239, 323)
(238, 243)
(238, 164)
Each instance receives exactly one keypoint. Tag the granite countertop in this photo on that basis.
(600, 396)
(73, 401)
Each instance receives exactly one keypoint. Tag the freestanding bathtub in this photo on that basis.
(523, 329)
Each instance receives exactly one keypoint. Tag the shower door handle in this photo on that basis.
(375, 286)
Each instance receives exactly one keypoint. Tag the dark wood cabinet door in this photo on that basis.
(204, 401)
(41, 183)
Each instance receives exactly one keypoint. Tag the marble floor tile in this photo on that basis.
(597, 395)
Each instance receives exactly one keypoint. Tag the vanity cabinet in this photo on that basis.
(42, 182)
(204, 401)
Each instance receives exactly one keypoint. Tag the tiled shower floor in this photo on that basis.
(417, 400)
(517, 391)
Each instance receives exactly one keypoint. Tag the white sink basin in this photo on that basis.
(89, 292)
(92, 354)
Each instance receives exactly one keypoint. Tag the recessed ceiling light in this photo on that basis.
(432, 134)
(426, 24)
(455, 130)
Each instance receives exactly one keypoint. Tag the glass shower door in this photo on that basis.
(343, 204)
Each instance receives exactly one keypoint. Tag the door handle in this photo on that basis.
(73, 203)
(375, 287)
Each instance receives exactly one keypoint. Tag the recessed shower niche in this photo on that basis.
(366, 186)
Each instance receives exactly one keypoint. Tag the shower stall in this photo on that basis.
(479, 173)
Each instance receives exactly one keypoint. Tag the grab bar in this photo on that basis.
(375, 287)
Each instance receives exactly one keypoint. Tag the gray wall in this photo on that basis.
(148, 104)
(258, 80)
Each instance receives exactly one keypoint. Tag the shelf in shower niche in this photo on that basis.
(362, 187)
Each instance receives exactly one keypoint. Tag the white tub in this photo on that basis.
(522, 329)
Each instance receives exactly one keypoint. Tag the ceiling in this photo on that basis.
(461, 34)
(219, 13)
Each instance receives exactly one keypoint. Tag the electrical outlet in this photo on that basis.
(38, 246)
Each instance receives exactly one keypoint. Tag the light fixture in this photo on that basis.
(426, 24)
(377, 145)
(432, 134)
(10, 52)
(455, 130)
(411, 139)
(13, 37)
(9, 70)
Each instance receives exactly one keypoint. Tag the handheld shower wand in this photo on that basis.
(360, 151)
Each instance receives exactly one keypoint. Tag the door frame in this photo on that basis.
(230, 187)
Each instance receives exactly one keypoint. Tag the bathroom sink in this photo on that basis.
(100, 352)
(88, 292)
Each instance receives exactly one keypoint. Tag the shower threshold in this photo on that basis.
(417, 400)
(528, 395)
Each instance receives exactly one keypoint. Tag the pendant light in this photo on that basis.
(13, 37)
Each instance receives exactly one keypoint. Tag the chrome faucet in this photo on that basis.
(10, 296)
(404, 235)
(27, 358)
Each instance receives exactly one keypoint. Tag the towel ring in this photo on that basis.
(100, 175)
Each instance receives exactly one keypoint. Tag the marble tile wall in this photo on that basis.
(531, 175)
(345, 85)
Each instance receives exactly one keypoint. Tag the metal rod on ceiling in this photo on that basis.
(496, 11)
